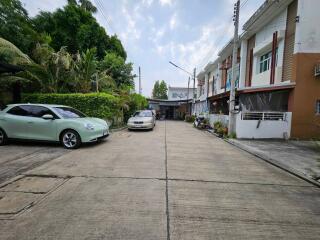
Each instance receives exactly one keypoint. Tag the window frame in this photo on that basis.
(19, 106)
(30, 113)
(49, 112)
(268, 60)
(265, 62)
(318, 107)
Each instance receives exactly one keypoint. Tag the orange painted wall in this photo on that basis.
(302, 101)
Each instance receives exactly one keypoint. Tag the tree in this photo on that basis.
(88, 6)
(118, 69)
(16, 27)
(160, 90)
(85, 70)
(75, 27)
(10, 54)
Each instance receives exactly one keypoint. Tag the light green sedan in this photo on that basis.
(55, 123)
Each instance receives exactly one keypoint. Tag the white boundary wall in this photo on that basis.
(218, 117)
(267, 128)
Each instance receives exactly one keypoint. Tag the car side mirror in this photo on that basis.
(47, 117)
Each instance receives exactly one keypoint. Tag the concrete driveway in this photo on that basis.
(171, 183)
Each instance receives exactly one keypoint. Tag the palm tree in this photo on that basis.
(12, 56)
(85, 68)
(52, 69)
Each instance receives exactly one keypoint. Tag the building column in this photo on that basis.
(243, 61)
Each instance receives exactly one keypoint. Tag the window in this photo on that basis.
(20, 111)
(39, 111)
(30, 111)
(265, 61)
(318, 107)
(143, 114)
(67, 112)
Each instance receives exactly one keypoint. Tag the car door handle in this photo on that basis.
(30, 122)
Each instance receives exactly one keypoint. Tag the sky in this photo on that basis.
(189, 33)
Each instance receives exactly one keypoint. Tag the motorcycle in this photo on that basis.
(200, 122)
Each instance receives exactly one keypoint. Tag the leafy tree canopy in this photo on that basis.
(74, 26)
(160, 90)
(120, 71)
(15, 25)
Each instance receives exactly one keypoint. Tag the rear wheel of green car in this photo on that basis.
(70, 139)
(3, 138)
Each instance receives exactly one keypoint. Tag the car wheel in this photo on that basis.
(3, 138)
(70, 139)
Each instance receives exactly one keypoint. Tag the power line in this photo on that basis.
(105, 16)
(211, 51)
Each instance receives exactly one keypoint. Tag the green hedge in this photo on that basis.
(101, 105)
(136, 102)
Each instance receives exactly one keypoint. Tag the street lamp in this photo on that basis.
(194, 80)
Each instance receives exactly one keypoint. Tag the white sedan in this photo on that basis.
(144, 119)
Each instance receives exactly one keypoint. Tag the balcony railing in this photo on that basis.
(264, 116)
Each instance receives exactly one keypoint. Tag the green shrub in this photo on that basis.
(217, 125)
(190, 118)
(232, 135)
(222, 131)
(101, 105)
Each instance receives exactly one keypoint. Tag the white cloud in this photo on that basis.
(131, 31)
(173, 21)
(147, 2)
(165, 2)
(201, 50)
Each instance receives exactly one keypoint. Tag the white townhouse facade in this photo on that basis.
(278, 90)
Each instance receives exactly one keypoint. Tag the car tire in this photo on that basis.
(70, 139)
(3, 137)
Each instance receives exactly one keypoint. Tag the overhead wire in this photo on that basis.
(101, 9)
(211, 51)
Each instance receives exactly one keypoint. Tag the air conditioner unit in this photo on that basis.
(317, 70)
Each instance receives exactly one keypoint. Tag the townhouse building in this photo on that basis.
(278, 90)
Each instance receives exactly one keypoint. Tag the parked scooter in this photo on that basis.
(200, 122)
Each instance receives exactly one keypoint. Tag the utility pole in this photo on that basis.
(188, 108)
(207, 102)
(194, 89)
(140, 88)
(231, 127)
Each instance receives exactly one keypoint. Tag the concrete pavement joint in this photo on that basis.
(167, 192)
(41, 199)
(4, 191)
(243, 183)
(106, 177)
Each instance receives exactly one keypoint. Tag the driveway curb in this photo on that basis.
(273, 162)
(118, 129)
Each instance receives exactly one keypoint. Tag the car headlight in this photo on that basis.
(89, 126)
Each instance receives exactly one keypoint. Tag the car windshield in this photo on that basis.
(67, 112)
(143, 114)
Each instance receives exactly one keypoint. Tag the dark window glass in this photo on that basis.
(20, 111)
(39, 111)
(67, 112)
(318, 107)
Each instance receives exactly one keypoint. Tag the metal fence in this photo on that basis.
(264, 116)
